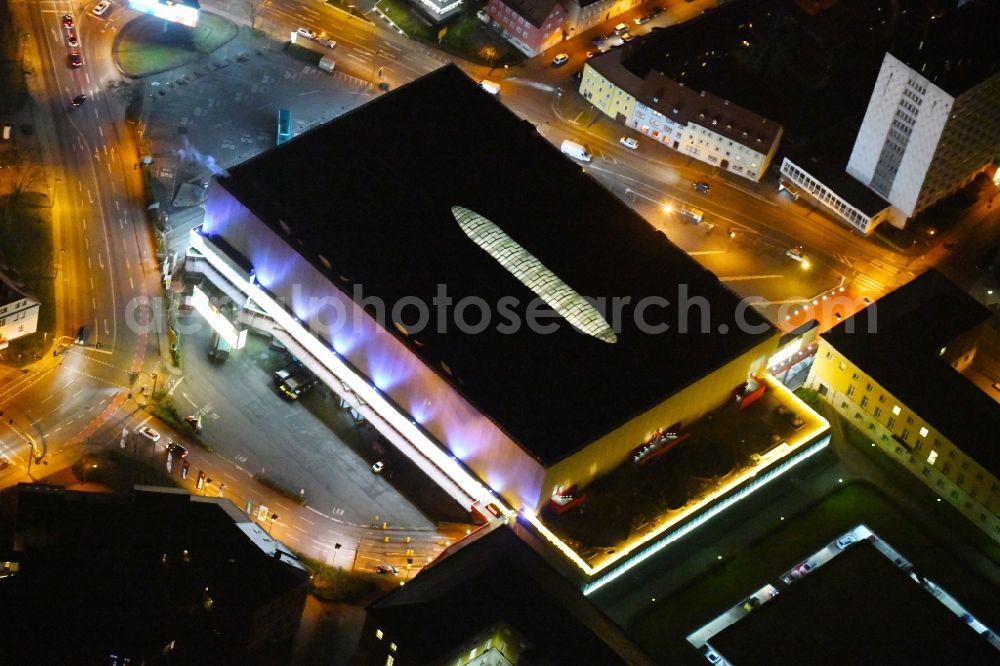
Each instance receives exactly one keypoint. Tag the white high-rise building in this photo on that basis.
(933, 120)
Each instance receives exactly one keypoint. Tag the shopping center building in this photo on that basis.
(338, 262)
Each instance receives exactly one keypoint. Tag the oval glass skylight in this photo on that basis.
(533, 274)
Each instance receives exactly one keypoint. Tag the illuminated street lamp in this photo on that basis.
(805, 264)
(668, 208)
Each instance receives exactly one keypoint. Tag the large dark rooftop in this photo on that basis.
(859, 608)
(911, 325)
(373, 190)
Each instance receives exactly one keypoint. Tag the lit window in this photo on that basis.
(931, 457)
(378, 634)
(389, 659)
(896, 410)
(392, 646)
(943, 349)
(923, 432)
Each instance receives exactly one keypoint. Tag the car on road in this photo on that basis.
(378, 467)
(307, 33)
(838, 316)
(149, 434)
(78, 100)
(71, 38)
(712, 656)
(328, 43)
(100, 8)
(82, 335)
(629, 142)
(560, 60)
(74, 60)
(177, 450)
(387, 569)
(701, 186)
(845, 541)
(795, 253)
(627, 37)
(751, 603)
(641, 20)
(67, 21)
(621, 28)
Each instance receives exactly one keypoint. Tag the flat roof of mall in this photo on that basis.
(858, 608)
(911, 326)
(372, 191)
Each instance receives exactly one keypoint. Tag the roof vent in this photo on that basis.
(285, 228)
(675, 110)
(715, 121)
(745, 133)
(656, 100)
(729, 126)
(702, 115)
(326, 262)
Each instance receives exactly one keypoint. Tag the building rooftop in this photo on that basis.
(119, 573)
(911, 326)
(384, 208)
(9, 291)
(498, 577)
(858, 608)
(959, 49)
(535, 11)
(801, 65)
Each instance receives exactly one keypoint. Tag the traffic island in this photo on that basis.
(148, 46)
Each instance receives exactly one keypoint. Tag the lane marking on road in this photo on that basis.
(737, 278)
(306, 520)
(354, 57)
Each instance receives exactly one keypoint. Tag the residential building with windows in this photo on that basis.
(437, 11)
(899, 371)
(696, 123)
(18, 311)
(154, 576)
(530, 25)
(492, 600)
(933, 117)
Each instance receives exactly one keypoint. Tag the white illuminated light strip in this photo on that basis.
(440, 10)
(534, 275)
(358, 385)
(705, 517)
(821, 426)
(218, 322)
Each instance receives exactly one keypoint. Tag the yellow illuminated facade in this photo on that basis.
(685, 406)
(606, 96)
(909, 439)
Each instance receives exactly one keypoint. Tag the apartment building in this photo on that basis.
(895, 371)
(18, 311)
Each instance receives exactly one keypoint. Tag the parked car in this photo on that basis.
(387, 569)
(845, 541)
(795, 253)
(751, 603)
(621, 28)
(560, 60)
(307, 33)
(712, 656)
(640, 20)
(177, 450)
(149, 434)
(67, 21)
(100, 8)
(78, 100)
(378, 467)
(701, 186)
(627, 37)
(328, 43)
(74, 60)
(629, 142)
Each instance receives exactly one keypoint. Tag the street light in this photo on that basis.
(274, 517)
(154, 385)
(668, 208)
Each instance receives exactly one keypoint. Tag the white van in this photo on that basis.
(490, 87)
(576, 151)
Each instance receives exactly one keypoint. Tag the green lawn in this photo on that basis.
(663, 628)
(26, 246)
(12, 83)
(144, 48)
(467, 37)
